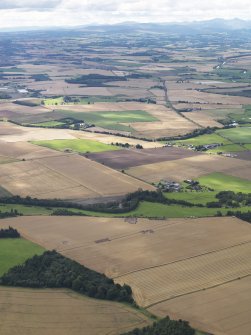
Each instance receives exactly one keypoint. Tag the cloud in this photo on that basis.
(80, 12)
(29, 4)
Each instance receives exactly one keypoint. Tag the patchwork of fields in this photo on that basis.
(89, 117)
(124, 159)
(192, 168)
(165, 262)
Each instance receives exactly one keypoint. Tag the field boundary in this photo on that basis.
(195, 291)
(183, 259)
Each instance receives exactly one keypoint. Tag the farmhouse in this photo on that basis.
(169, 186)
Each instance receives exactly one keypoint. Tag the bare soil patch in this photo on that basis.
(124, 159)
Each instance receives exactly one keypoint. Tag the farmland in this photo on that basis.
(220, 182)
(61, 177)
(237, 135)
(129, 158)
(195, 167)
(77, 145)
(217, 320)
(63, 312)
(16, 251)
(111, 120)
(156, 252)
(95, 122)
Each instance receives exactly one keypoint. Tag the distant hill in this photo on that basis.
(195, 27)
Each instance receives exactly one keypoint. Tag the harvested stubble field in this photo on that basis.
(208, 98)
(222, 310)
(10, 108)
(147, 254)
(108, 139)
(170, 124)
(67, 177)
(192, 167)
(24, 150)
(13, 133)
(124, 159)
(189, 275)
(202, 119)
(118, 246)
(63, 312)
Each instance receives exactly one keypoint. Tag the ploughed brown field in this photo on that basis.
(124, 159)
(63, 312)
(163, 260)
(245, 155)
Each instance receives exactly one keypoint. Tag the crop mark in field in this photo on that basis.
(120, 237)
(102, 240)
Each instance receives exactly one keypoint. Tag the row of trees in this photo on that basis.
(165, 327)
(9, 233)
(52, 270)
(10, 214)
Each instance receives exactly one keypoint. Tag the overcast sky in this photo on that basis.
(23, 13)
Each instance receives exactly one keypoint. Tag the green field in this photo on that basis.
(237, 135)
(222, 182)
(222, 113)
(227, 148)
(14, 251)
(111, 120)
(193, 196)
(77, 145)
(204, 139)
(145, 209)
(26, 210)
(82, 100)
(48, 124)
(244, 117)
(149, 209)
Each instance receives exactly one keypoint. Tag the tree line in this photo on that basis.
(10, 214)
(9, 233)
(165, 327)
(52, 270)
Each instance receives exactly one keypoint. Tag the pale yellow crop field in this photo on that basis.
(222, 310)
(171, 265)
(202, 119)
(63, 312)
(66, 177)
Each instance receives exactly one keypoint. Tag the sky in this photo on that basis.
(44, 13)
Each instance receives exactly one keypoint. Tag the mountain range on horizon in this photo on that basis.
(214, 25)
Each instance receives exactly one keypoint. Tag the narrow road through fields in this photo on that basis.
(169, 104)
